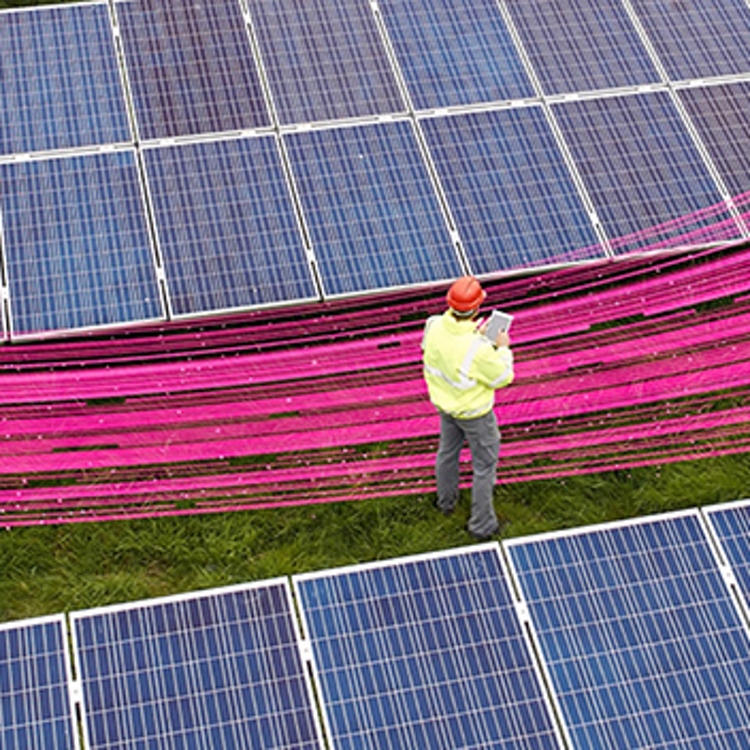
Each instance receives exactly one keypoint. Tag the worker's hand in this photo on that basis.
(503, 339)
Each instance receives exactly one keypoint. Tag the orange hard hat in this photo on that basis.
(465, 295)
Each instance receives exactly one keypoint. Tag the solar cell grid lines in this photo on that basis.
(324, 61)
(639, 164)
(60, 85)
(721, 114)
(582, 46)
(455, 52)
(642, 639)
(371, 208)
(36, 710)
(219, 669)
(509, 189)
(191, 68)
(731, 524)
(424, 652)
(76, 243)
(698, 38)
(226, 225)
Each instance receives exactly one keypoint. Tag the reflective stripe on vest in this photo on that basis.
(464, 383)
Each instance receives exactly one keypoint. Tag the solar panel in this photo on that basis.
(226, 224)
(424, 652)
(698, 38)
(60, 85)
(36, 709)
(508, 187)
(371, 209)
(323, 60)
(191, 68)
(220, 669)
(76, 243)
(731, 524)
(640, 166)
(455, 52)
(643, 642)
(582, 46)
(722, 116)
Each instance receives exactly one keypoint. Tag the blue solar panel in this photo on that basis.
(324, 60)
(191, 67)
(60, 85)
(36, 710)
(511, 194)
(425, 652)
(582, 46)
(698, 38)
(643, 642)
(640, 165)
(227, 227)
(722, 116)
(455, 52)
(219, 669)
(371, 208)
(731, 524)
(76, 243)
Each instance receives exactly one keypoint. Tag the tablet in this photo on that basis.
(499, 321)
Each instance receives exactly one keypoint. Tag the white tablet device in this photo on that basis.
(499, 321)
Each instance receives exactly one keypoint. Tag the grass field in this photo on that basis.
(51, 569)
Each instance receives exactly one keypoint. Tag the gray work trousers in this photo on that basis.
(483, 437)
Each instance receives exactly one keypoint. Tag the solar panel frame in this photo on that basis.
(226, 226)
(630, 664)
(324, 61)
(721, 115)
(396, 666)
(583, 46)
(641, 167)
(730, 523)
(200, 676)
(455, 52)
(697, 39)
(76, 243)
(191, 68)
(36, 682)
(370, 208)
(510, 190)
(61, 86)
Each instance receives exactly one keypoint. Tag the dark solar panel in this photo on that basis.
(219, 669)
(76, 243)
(643, 641)
(190, 67)
(639, 164)
(511, 194)
(324, 61)
(372, 212)
(60, 86)
(226, 225)
(36, 709)
(698, 38)
(721, 115)
(731, 524)
(582, 45)
(455, 52)
(425, 652)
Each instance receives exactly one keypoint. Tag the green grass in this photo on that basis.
(51, 569)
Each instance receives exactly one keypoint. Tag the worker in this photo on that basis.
(463, 369)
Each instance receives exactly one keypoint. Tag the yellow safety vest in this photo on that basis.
(462, 368)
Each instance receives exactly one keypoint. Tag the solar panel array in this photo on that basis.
(373, 145)
(625, 635)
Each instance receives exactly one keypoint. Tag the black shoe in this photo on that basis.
(494, 534)
(447, 511)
